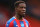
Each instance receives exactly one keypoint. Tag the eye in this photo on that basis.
(25, 7)
(21, 7)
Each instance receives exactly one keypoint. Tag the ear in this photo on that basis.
(15, 9)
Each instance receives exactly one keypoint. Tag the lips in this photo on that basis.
(23, 11)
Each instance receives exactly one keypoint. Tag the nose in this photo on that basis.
(24, 9)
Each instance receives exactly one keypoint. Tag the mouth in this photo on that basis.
(23, 11)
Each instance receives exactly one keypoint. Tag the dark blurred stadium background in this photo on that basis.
(7, 11)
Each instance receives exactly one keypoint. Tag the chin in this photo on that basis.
(23, 15)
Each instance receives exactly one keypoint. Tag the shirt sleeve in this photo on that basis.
(28, 23)
(9, 24)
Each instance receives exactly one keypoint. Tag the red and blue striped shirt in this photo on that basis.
(17, 23)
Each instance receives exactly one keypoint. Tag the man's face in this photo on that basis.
(21, 9)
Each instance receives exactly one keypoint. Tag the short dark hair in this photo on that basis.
(17, 3)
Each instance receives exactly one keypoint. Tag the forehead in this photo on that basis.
(22, 4)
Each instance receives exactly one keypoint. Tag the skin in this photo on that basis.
(20, 11)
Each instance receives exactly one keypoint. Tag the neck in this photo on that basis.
(19, 17)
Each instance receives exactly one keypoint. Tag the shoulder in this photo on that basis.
(9, 21)
(26, 21)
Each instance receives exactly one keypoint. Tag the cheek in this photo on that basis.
(19, 11)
